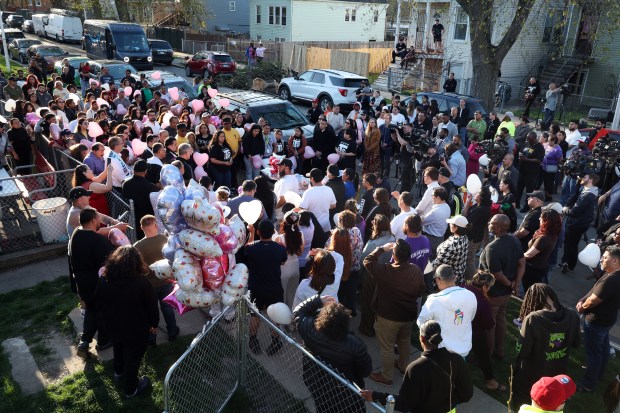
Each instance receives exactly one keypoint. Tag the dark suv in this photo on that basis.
(445, 101)
(281, 114)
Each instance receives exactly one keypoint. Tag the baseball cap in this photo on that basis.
(556, 206)
(12, 78)
(286, 162)
(333, 170)
(549, 393)
(444, 172)
(458, 220)
(512, 115)
(316, 174)
(537, 194)
(181, 126)
(78, 192)
(205, 114)
(65, 132)
(140, 166)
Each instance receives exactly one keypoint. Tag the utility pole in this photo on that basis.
(614, 123)
(7, 61)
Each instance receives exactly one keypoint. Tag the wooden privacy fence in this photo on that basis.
(361, 61)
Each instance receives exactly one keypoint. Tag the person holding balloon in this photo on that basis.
(233, 139)
(221, 160)
(253, 149)
(297, 148)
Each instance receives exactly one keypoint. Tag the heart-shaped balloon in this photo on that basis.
(198, 105)
(172, 301)
(226, 239)
(86, 143)
(102, 102)
(212, 92)
(118, 238)
(32, 118)
(200, 158)
(93, 82)
(128, 90)
(309, 152)
(237, 277)
(55, 131)
(168, 209)
(10, 105)
(106, 87)
(197, 299)
(186, 269)
(292, 198)
(170, 175)
(138, 147)
(162, 270)
(199, 244)
(257, 161)
(138, 126)
(251, 211)
(120, 109)
(74, 98)
(172, 246)
(212, 273)
(177, 109)
(474, 185)
(167, 117)
(238, 227)
(333, 158)
(224, 103)
(174, 93)
(94, 129)
(201, 215)
(156, 75)
(199, 172)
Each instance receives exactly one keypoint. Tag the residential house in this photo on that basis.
(317, 20)
(228, 16)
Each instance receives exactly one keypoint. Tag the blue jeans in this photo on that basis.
(596, 344)
(166, 310)
(250, 171)
(463, 134)
(569, 187)
(547, 119)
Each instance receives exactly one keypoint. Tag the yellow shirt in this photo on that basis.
(181, 140)
(233, 139)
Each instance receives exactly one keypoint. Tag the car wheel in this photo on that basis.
(188, 71)
(284, 93)
(22, 59)
(324, 100)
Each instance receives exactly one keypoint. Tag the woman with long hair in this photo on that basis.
(81, 130)
(351, 206)
(84, 177)
(351, 248)
(136, 114)
(32, 98)
(324, 275)
(290, 236)
(507, 201)
(371, 161)
(220, 160)
(253, 144)
(611, 396)
(32, 83)
(19, 111)
(78, 151)
(346, 148)
(296, 148)
(146, 131)
(480, 285)
(540, 247)
(433, 109)
(130, 313)
(265, 195)
(351, 183)
(478, 216)
(203, 137)
(382, 200)
(547, 333)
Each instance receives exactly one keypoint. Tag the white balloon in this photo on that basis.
(474, 185)
(484, 160)
(292, 198)
(590, 255)
(494, 195)
(74, 98)
(280, 313)
(9, 105)
(251, 211)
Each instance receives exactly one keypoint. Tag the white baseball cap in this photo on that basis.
(458, 220)
(556, 206)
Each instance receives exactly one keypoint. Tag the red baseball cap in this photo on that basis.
(551, 392)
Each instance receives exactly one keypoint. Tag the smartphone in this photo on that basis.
(109, 161)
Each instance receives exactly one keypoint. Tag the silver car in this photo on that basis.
(18, 49)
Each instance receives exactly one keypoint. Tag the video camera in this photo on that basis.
(584, 165)
(495, 149)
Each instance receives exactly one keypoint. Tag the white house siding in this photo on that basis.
(324, 20)
(266, 31)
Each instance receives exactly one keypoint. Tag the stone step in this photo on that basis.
(24, 369)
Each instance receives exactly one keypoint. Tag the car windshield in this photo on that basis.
(131, 42)
(279, 115)
(18, 35)
(338, 81)
(51, 51)
(24, 44)
(160, 45)
(183, 85)
(222, 58)
(118, 71)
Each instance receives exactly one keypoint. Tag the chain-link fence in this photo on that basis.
(218, 364)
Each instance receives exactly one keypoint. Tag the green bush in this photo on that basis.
(244, 76)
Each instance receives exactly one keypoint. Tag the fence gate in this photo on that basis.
(171, 35)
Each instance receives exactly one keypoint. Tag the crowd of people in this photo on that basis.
(431, 257)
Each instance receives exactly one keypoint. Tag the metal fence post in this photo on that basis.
(242, 348)
(133, 234)
(389, 406)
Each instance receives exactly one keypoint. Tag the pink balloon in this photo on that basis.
(257, 161)
(94, 129)
(55, 131)
(176, 109)
(309, 152)
(128, 90)
(145, 118)
(32, 118)
(199, 172)
(212, 273)
(86, 143)
(136, 93)
(212, 92)
(224, 103)
(102, 102)
(198, 105)
(333, 158)
(93, 82)
(225, 260)
(192, 118)
(226, 239)
(200, 158)
(118, 238)
(171, 300)
(156, 75)
(174, 93)
(138, 147)
(138, 126)
(120, 109)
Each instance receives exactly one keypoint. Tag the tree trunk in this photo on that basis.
(485, 70)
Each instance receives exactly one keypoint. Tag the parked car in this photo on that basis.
(170, 80)
(28, 26)
(5, 15)
(115, 68)
(281, 114)
(11, 34)
(326, 85)
(15, 21)
(50, 53)
(37, 23)
(62, 27)
(18, 49)
(446, 101)
(210, 63)
(75, 63)
(162, 51)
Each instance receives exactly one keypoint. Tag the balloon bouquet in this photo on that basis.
(200, 254)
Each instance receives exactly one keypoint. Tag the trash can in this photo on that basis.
(51, 215)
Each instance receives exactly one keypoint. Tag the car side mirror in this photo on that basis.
(297, 78)
(66, 53)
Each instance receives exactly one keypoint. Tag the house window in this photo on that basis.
(271, 14)
(257, 14)
(37, 3)
(352, 15)
(460, 26)
(347, 15)
(283, 16)
(277, 15)
(376, 16)
(231, 6)
(553, 29)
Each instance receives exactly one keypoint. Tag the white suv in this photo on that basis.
(326, 85)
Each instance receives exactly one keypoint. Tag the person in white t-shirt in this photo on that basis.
(397, 117)
(572, 137)
(319, 199)
(152, 121)
(453, 308)
(260, 52)
(430, 177)
(286, 183)
(404, 203)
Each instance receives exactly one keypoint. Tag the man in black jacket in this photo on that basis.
(323, 143)
(88, 252)
(334, 181)
(580, 213)
(450, 84)
(531, 93)
(314, 112)
(138, 188)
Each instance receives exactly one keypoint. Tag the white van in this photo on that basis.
(62, 27)
(37, 24)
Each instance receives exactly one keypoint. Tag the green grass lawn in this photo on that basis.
(580, 402)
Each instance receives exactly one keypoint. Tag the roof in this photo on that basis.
(251, 98)
(356, 1)
(341, 73)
